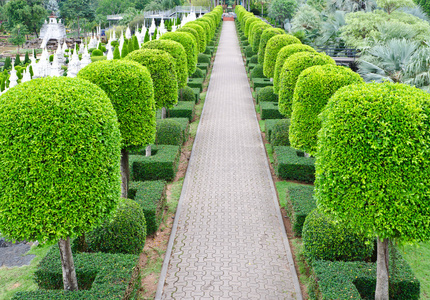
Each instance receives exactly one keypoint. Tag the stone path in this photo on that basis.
(229, 241)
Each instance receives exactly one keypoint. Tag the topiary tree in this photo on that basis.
(97, 52)
(135, 43)
(130, 45)
(169, 132)
(17, 60)
(256, 36)
(147, 38)
(161, 65)
(26, 58)
(209, 33)
(266, 94)
(326, 239)
(206, 28)
(116, 54)
(257, 72)
(123, 232)
(7, 63)
(203, 58)
(186, 94)
(373, 165)
(177, 51)
(124, 49)
(60, 162)
(248, 22)
(201, 34)
(291, 70)
(273, 46)
(283, 55)
(251, 30)
(265, 37)
(314, 87)
(134, 104)
(187, 41)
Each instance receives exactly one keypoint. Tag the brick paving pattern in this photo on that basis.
(229, 242)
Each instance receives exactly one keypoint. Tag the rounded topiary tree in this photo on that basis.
(373, 164)
(314, 87)
(161, 65)
(123, 232)
(209, 34)
(257, 72)
(202, 35)
(251, 30)
(206, 27)
(248, 23)
(275, 44)
(283, 55)
(265, 37)
(266, 94)
(169, 132)
(326, 239)
(177, 51)
(97, 52)
(194, 33)
(187, 41)
(186, 94)
(256, 36)
(129, 87)
(291, 70)
(60, 162)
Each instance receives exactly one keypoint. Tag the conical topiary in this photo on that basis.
(124, 50)
(17, 60)
(116, 54)
(135, 43)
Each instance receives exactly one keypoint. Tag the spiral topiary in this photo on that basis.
(169, 132)
(123, 232)
(187, 41)
(265, 37)
(129, 86)
(177, 51)
(283, 55)
(314, 87)
(273, 46)
(291, 70)
(161, 66)
(60, 159)
(325, 239)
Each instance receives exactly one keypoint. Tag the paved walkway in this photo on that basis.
(229, 242)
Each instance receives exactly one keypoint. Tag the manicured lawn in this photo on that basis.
(418, 258)
(17, 279)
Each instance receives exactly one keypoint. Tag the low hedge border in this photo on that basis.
(250, 67)
(261, 82)
(268, 125)
(185, 126)
(291, 164)
(116, 276)
(269, 110)
(196, 83)
(203, 66)
(299, 203)
(184, 109)
(151, 196)
(357, 280)
(266, 94)
(162, 165)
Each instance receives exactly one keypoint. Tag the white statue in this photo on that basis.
(13, 79)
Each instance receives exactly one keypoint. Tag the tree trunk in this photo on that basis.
(163, 112)
(125, 173)
(69, 274)
(78, 26)
(148, 151)
(382, 274)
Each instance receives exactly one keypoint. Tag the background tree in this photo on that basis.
(77, 9)
(51, 6)
(281, 10)
(17, 35)
(29, 13)
(112, 7)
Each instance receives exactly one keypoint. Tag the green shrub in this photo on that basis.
(291, 70)
(89, 50)
(256, 36)
(248, 23)
(269, 110)
(161, 165)
(283, 55)
(124, 232)
(97, 52)
(98, 58)
(254, 59)
(292, 164)
(161, 65)
(183, 109)
(326, 239)
(314, 87)
(196, 83)
(151, 197)
(207, 30)
(107, 276)
(7, 63)
(177, 51)
(248, 51)
(252, 29)
(187, 41)
(67, 130)
(134, 105)
(186, 94)
(280, 133)
(266, 94)
(268, 126)
(114, 44)
(273, 46)
(198, 74)
(261, 83)
(357, 280)
(203, 58)
(265, 37)
(51, 59)
(194, 33)
(299, 204)
(169, 132)
(257, 72)
(202, 35)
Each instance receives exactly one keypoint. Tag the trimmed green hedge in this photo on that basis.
(314, 88)
(194, 33)
(248, 52)
(203, 59)
(258, 31)
(198, 74)
(169, 132)
(283, 55)
(326, 239)
(196, 83)
(261, 82)
(201, 32)
(273, 46)
(187, 41)
(106, 275)
(184, 109)
(265, 37)
(203, 66)
(290, 72)
(290, 163)
(98, 58)
(257, 72)
(357, 280)
(280, 133)
(151, 197)
(161, 65)
(299, 204)
(268, 125)
(266, 94)
(269, 110)
(161, 165)
(186, 94)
